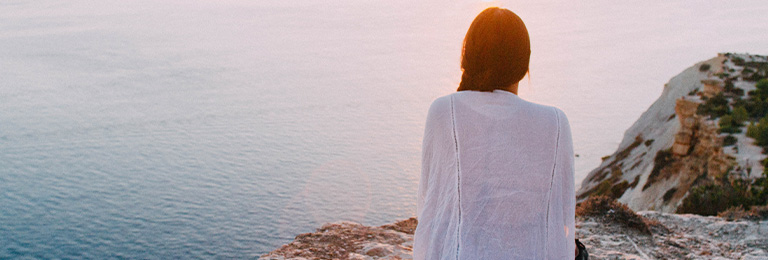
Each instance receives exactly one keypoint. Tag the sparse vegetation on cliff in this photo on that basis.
(759, 132)
(729, 193)
(719, 105)
(739, 115)
(648, 142)
(761, 90)
(611, 210)
(612, 185)
(715, 106)
(722, 195)
(711, 141)
(731, 89)
(728, 125)
(663, 159)
(760, 71)
(739, 213)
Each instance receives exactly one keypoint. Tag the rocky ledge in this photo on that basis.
(347, 240)
(610, 230)
(686, 237)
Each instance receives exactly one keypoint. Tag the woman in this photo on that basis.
(497, 171)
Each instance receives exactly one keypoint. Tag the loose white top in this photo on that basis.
(496, 180)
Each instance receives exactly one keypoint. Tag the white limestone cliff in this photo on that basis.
(670, 148)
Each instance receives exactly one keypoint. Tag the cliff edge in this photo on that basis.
(609, 230)
(694, 135)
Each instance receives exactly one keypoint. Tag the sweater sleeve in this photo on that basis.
(562, 202)
(426, 150)
(434, 197)
(437, 118)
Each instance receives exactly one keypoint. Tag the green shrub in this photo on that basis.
(714, 107)
(729, 140)
(760, 73)
(704, 67)
(728, 87)
(756, 107)
(761, 91)
(618, 189)
(726, 121)
(755, 64)
(728, 125)
(740, 115)
(757, 76)
(611, 186)
(706, 200)
(762, 85)
(738, 61)
(759, 132)
(711, 199)
(762, 134)
(752, 130)
(729, 130)
(602, 189)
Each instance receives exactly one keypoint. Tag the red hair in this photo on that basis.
(496, 51)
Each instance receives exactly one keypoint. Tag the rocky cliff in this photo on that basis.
(610, 232)
(674, 146)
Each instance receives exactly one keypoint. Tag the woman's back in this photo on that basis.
(496, 181)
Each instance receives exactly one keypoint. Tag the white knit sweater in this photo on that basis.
(496, 180)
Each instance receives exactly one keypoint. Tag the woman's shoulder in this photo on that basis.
(441, 105)
(444, 104)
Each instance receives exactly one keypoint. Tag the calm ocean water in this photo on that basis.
(220, 129)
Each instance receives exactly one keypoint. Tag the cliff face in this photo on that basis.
(671, 148)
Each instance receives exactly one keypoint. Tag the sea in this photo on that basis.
(202, 129)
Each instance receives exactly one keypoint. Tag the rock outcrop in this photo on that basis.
(712, 86)
(347, 240)
(685, 110)
(660, 159)
(685, 237)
